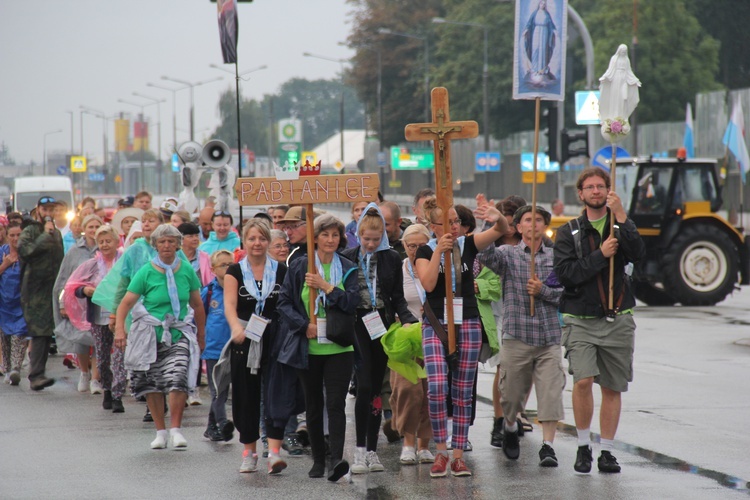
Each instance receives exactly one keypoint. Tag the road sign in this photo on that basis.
(543, 164)
(603, 157)
(118, 178)
(77, 163)
(96, 177)
(412, 159)
(62, 170)
(487, 161)
(528, 177)
(587, 107)
(382, 159)
(310, 156)
(290, 130)
(338, 166)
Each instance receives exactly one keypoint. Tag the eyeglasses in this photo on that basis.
(220, 266)
(414, 246)
(280, 247)
(292, 227)
(456, 222)
(598, 187)
(221, 212)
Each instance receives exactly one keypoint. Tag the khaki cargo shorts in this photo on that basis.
(597, 348)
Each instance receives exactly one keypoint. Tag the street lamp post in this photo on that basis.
(341, 111)
(387, 31)
(45, 147)
(71, 131)
(485, 74)
(191, 86)
(105, 141)
(158, 132)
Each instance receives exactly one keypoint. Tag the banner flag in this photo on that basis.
(228, 27)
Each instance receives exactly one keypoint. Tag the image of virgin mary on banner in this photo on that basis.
(539, 52)
(227, 10)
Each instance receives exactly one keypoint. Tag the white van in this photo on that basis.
(27, 191)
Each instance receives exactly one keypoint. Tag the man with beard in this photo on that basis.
(598, 340)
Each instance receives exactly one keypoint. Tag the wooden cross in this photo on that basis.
(441, 131)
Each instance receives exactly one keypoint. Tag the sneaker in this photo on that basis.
(607, 462)
(107, 400)
(449, 442)
(496, 436)
(275, 464)
(84, 382)
(338, 471)
(318, 470)
(6, 378)
(440, 467)
(373, 462)
(194, 400)
(210, 431)
(70, 361)
(459, 469)
(249, 462)
(15, 377)
(96, 387)
(360, 462)
(159, 443)
(117, 406)
(408, 456)
(425, 457)
(226, 430)
(41, 383)
(511, 447)
(291, 445)
(302, 435)
(390, 433)
(148, 417)
(583, 459)
(178, 441)
(468, 446)
(547, 457)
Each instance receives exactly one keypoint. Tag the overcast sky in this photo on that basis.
(58, 55)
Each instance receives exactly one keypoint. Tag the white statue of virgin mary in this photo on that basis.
(619, 87)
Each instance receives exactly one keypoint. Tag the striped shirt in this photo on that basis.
(513, 265)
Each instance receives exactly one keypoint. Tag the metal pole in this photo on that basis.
(341, 116)
(192, 115)
(239, 135)
(588, 46)
(426, 80)
(485, 91)
(380, 117)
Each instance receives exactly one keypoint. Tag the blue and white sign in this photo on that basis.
(587, 107)
(487, 161)
(96, 177)
(382, 159)
(61, 170)
(175, 162)
(543, 164)
(603, 157)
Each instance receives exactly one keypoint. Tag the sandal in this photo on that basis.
(525, 423)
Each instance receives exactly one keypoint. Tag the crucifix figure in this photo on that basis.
(441, 131)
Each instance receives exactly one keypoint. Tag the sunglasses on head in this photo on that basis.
(46, 199)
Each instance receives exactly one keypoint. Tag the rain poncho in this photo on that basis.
(90, 273)
(403, 345)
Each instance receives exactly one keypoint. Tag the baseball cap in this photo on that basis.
(126, 202)
(47, 200)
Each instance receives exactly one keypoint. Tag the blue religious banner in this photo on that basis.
(539, 51)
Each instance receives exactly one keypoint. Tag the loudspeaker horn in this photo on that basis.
(190, 152)
(216, 154)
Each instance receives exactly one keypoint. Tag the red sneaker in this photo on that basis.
(458, 468)
(440, 467)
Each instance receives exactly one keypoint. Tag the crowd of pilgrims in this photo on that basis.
(150, 302)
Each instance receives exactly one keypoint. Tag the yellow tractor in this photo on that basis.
(693, 255)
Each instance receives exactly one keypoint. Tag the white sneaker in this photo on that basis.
(425, 457)
(360, 462)
(373, 462)
(195, 400)
(249, 462)
(159, 443)
(177, 439)
(84, 382)
(96, 387)
(408, 456)
(7, 378)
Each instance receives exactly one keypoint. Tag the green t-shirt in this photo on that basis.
(151, 285)
(315, 347)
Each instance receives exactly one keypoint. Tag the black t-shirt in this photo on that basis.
(437, 296)
(246, 303)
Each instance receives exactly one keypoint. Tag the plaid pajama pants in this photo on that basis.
(469, 342)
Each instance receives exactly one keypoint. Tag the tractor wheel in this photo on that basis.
(700, 266)
(652, 296)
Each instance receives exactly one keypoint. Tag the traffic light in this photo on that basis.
(550, 116)
(574, 143)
